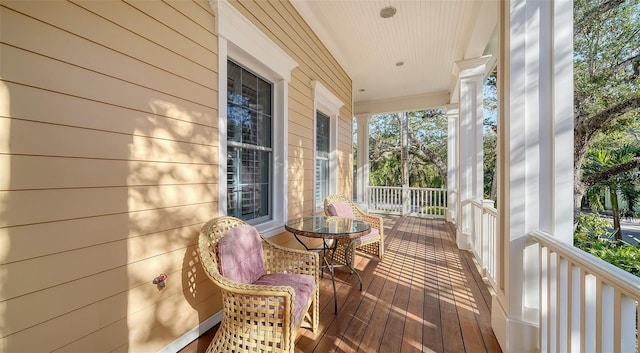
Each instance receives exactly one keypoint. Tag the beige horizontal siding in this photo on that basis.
(44, 172)
(109, 164)
(112, 152)
(39, 240)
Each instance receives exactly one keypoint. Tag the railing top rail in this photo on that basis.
(606, 272)
(491, 210)
(410, 188)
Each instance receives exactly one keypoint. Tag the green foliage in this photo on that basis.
(490, 154)
(606, 49)
(592, 236)
(592, 226)
(435, 210)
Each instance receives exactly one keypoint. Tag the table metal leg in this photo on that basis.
(331, 267)
(346, 260)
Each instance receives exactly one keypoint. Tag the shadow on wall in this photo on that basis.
(176, 195)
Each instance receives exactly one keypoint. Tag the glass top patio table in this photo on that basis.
(329, 228)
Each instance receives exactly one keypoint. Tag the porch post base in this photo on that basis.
(463, 240)
(451, 217)
(514, 336)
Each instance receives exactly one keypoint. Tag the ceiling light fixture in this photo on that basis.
(388, 12)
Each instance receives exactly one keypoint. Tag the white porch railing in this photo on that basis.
(586, 304)
(485, 239)
(419, 202)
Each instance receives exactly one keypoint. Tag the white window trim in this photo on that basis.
(242, 41)
(327, 103)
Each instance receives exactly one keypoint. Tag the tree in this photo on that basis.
(607, 83)
(384, 153)
(428, 145)
(427, 134)
(490, 136)
(618, 186)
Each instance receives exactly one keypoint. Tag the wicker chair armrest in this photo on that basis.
(282, 259)
(256, 290)
(274, 301)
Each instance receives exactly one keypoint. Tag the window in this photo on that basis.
(253, 80)
(249, 150)
(323, 125)
(327, 107)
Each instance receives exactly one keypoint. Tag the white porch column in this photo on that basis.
(535, 155)
(363, 159)
(452, 163)
(471, 74)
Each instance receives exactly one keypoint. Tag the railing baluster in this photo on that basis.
(576, 304)
(562, 303)
(590, 327)
(606, 309)
(598, 316)
(544, 298)
(617, 320)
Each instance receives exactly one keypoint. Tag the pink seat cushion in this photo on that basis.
(240, 254)
(374, 234)
(303, 286)
(341, 209)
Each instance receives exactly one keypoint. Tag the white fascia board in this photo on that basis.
(402, 104)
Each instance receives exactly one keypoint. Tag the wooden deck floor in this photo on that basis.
(426, 296)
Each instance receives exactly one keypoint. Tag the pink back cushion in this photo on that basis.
(240, 254)
(341, 209)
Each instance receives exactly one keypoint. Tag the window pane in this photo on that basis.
(322, 181)
(248, 182)
(264, 122)
(235, 115)
(322, 159)
(250, 89)
(250, 128)
(264, 97)
(322, 135)
(234, 83)
(264, 113)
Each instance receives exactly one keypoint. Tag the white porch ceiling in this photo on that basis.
(428, 36)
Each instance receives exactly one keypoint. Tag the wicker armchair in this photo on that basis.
(260, 317)
(371, 244)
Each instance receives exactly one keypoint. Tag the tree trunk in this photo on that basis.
(494, 185)
(578, 192)
(616, 213)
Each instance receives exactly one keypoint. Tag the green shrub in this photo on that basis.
(593, 237)
(593, 225)
(435, 210)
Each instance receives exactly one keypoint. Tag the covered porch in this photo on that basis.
(426, 296)
(113, 159)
